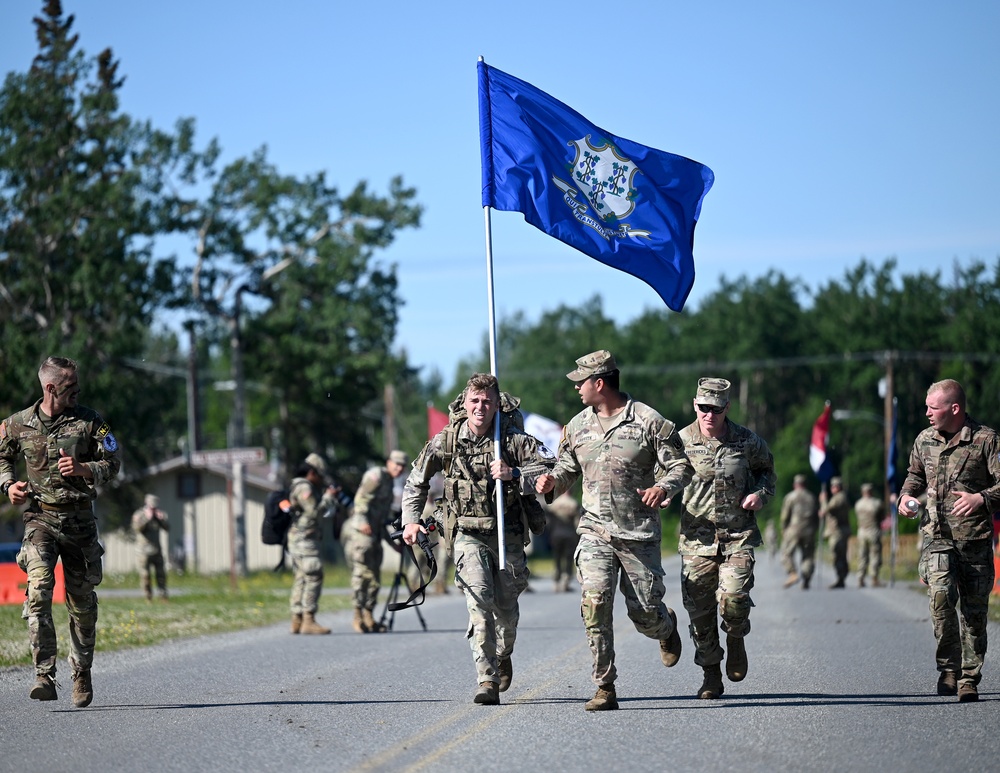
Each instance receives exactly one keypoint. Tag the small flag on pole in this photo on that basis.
(819, 460)
(436, 421)
(627, 205)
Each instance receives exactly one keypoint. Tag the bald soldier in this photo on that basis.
(956, 462)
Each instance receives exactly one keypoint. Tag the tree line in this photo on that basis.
(787, 348)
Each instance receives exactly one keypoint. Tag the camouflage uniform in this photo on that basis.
(490, 595)
(372, 504)
(799, 524)
(60, 522)
(309, 504)
(564, 518)
(837, 514)
(869, 511)
(619, 534)
(717, 535)
(956, 557)
(147, 523)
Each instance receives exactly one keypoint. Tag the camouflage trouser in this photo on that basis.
(73, 537)
(959, 577)
(308, 581)
(364, 557)
(869, 552)
(805, 543)
(152, 563)
(637, 569)
(491, 596)
(716, 582)
(838, 549)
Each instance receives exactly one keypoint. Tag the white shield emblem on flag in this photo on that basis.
(605, 177)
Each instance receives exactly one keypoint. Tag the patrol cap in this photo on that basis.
(399, 457)
(316, 462)
(713, 391)
(836, 481)
(866, 486)
(799, 479)
(152, 500)
(593, 364)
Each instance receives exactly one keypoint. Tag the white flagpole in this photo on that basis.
(498, 489)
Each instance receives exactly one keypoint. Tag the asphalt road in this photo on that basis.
(839, 681)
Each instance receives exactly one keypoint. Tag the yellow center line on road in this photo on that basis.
(417, 741)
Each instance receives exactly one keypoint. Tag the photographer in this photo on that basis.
(362, 538)
(147, 523)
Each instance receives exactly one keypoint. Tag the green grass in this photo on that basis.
(197, 606)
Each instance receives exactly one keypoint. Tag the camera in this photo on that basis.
(428, 523)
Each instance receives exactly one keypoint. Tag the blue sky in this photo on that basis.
(836, 131)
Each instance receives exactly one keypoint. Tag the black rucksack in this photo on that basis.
(277, 518)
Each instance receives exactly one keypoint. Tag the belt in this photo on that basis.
(65, 508)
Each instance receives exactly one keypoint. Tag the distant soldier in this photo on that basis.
(309, 503)
(799, 524)
(563, 520)
(632, 461)
(733, 479)
(148, 522)
(362, 537)
(869, 511)
(836, 512)
(956, 461)
(69, 451)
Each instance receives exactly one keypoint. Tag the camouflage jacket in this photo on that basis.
(799, 512)
(969, 462)
(469, 497)
(309, 504)
(869, 512)
(80, 432)
(373, 500)
(147, 531)
(614, 464)
(837, 514)
(726, 470)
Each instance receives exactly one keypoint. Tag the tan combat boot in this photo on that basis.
(711, 688)
(83, 689)
(296, 623)
(44, 688)
(605, 699)
(487, 694)
(370, 624)
(670, 648)
(358, 623)
(736, 660)
(947, 683)
(309, 625)
(505, 670)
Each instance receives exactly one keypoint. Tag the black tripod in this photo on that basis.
(401, 578)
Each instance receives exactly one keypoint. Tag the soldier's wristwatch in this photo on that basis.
(515, 473)
(6, 487)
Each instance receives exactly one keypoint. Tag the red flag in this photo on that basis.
(819, 459)
(436, 421)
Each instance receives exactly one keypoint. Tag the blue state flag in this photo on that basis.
(629, 206)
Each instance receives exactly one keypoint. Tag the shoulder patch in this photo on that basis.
(103, 430)
(545, 453)
(110, 444)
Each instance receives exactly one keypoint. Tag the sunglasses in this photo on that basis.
(711, 408)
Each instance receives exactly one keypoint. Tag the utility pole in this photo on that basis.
(889, 402)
